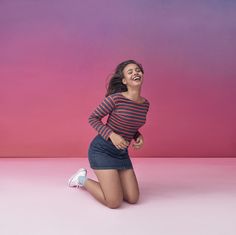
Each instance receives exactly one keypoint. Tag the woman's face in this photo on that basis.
(133, 75)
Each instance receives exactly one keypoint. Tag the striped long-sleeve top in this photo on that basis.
(125, 116)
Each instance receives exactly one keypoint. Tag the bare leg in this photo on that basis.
(130, 185)
(108, 190)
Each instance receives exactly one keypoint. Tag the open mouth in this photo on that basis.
(136, 78)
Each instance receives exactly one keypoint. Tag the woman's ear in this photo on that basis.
(124, 81)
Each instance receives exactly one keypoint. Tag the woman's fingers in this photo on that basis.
(138, 143)
(123, 145)
(119, 141)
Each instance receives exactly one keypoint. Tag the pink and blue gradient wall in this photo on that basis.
(55, 57)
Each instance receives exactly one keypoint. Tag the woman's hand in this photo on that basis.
(139, 142)
(118, 141)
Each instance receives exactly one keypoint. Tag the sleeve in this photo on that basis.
(137, 134)
(104, 108)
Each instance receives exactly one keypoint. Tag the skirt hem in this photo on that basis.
(111, 168)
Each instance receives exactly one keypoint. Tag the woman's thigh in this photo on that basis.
(129, 185)
(111, 186)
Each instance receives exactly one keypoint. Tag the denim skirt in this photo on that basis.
(103, 154)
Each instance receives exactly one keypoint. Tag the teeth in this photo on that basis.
(136, 78)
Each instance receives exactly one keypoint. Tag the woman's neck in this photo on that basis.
(133, 94)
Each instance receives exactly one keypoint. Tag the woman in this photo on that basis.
(108, 151)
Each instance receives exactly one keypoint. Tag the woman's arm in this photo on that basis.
(104, 108)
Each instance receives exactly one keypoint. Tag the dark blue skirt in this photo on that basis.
(103, 154)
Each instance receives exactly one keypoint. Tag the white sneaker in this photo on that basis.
(74, 179)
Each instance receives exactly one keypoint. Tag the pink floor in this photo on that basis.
(178, 197)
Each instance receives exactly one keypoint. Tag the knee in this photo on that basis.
(113, 204)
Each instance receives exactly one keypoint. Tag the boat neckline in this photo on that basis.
(133, 100)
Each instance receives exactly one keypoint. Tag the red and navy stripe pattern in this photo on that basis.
(125, 116)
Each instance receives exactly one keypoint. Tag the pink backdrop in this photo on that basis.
(55, 57)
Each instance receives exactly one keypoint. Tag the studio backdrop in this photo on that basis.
(56, 58)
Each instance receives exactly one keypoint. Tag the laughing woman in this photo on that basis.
(108, 151)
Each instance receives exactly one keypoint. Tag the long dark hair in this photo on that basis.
(115, 84)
